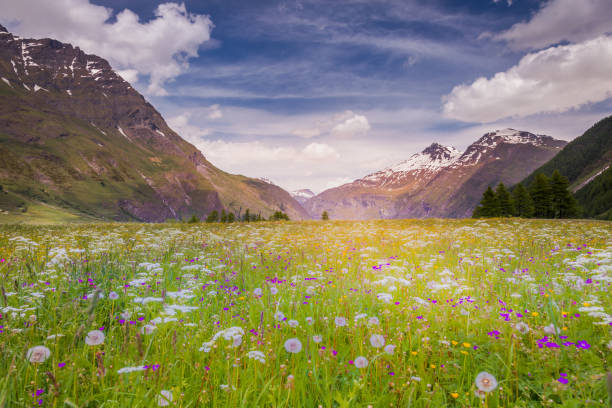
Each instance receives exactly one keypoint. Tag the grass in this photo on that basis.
(448, 294)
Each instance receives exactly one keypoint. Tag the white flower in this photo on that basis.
(317, 338)
(389, 349)
(164, 398)
(293, 323)
(360, 316)
(293, 346)
(130, 369)
(310, 290)
(38, 354)
(522, 327)
(340, 321)
(385, 297)
(126, 315)
(279, 316)
(417, 379)
(257, 292)
(377, 340)
(486, 382)
(309, 320)
(257, 355)
(147, 329)
(113, 295)
(551, 329)
(94, 338)
(361, 362)
(54, 336)
(373, 321)
(273, 290)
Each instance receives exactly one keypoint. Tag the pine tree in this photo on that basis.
(213, 216)
(523, 204)
(541, 195)
(504, 200)
(231, 217)
(489, 206)
(247, 216)
(325, 216)
(223, 216)
(563, 202)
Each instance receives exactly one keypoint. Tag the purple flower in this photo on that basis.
(583, 345)
(563, 380)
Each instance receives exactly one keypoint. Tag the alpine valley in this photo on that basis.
(78, 142)
(440, 181)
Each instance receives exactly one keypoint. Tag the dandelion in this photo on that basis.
(273, 290)
(340, 321)
(377, 340)
(257, 355)
(293, 323)
(361, 362)
(164, 398)
(310, 290)
(309, 320)
(113, 295)
(389, 349)
(257, 292)
(551, 329)
(279, 316)
(147, 329)
(486, 382)
(94, 338)
(293, 346)
(317, 338)
(38, 354)
(373, 321)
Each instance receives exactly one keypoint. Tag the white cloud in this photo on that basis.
(561, 20)
(159, 48)
(180, 124)
(355, 125)
(556, 79)
(320, 151)
(215, 112)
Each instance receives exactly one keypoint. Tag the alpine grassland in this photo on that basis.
(394, 313)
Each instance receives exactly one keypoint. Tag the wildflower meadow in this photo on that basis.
(423, 313)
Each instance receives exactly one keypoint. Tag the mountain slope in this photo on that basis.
(74, 134)
(303, 195)
(440, 181)
(586, 162)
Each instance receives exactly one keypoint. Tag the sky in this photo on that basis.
(316, 93)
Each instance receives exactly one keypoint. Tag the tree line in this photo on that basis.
(545, 198)
(229, 217)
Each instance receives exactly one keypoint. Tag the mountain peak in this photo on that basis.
(3, 29)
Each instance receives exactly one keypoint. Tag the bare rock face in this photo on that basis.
(440, 181)
(78, 135)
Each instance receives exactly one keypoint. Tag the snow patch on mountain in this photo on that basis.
(303, 193)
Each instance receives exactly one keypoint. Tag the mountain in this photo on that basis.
(77, 137)
(440, 181)
(303, 195)
(586, 162)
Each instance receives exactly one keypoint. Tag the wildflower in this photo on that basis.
(257, 292)
(455, 395)
(257, 355)
(486, 382)
(309, 320)
(377, 340)
(38, 354)
(113, 295)
(340, 321)
(94, 338)
(147, 329)
(293, 323)
(293, 346)
(389, 349)
(130, 369)
(273, 290)
(317, 338)
(373, 321)
(279, 316)
(522, 327)
(361, 362)
(164, 398)
(551, 329)
(310, 290)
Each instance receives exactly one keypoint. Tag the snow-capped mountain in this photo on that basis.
(303, 195)
(76, 135)
(440, 181)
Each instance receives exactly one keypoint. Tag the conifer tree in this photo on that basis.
(523, 204)
(213, 216)
(231, 217)
(563, 202)
(223, 216)
(541, 194)
(489, 206)
(325, 216)
(247, 215)
(504, 201)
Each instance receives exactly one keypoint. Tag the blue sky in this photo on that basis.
(311, 94)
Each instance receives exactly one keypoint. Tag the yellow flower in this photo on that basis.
(414, 353)
(463, 352)
(432, 365)
(564, 328)
(454, 395)
(466, 344)
(454, 343)
(586, 304)
(534, 314)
